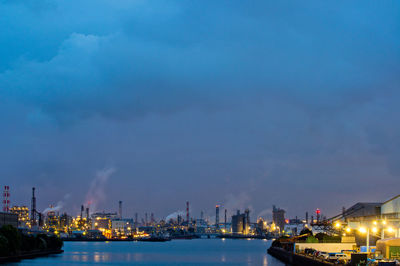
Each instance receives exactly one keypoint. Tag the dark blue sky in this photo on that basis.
(238, 103)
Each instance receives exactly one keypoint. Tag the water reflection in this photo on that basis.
(265, 261)
(185, 252)
(223, 258)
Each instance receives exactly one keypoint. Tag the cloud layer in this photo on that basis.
(262, 99)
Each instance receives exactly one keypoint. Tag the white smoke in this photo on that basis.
(59, 205)
(266, 213)
(174, 216)
(96, 194)
(236, 202)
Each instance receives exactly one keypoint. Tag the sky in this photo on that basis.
(246, 104)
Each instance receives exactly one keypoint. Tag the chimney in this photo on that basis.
(217, 216)
(187, 212)
(120, 209)
(225, 219)
(82, 210)
(33, 208)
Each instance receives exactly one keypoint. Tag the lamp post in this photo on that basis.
(364, 230)
(383, 229)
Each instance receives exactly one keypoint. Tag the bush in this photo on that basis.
(54, 242)
(13, 242)
(311, 239)
(28, 242)
(41, 241)
(4, 250)
(321, 236)
(306, 231)
(13, 237)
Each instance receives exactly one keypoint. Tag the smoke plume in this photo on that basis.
(96, 194)
(59, 205)
(174, 215)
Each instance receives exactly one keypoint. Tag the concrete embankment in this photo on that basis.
(295, 259)
(30, 255)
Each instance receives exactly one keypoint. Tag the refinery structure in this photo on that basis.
(365, 225)
(87, 225)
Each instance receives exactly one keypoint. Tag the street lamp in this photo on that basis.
(364, 230)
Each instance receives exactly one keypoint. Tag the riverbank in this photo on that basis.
(16, 245)
(227, 252)
(295, 259)
(29, 255)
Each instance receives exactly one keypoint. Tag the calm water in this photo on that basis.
(177, 252)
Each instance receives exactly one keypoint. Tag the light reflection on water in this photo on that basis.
(178, 252)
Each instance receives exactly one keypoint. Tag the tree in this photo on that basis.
(13, 237)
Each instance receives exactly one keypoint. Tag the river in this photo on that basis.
(176, 252)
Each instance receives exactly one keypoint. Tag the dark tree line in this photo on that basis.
(13, 242)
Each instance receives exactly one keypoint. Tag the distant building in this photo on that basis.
(278, 216)
(241, 223)
(201, 226)
(65, 221)
(23, 215)
(109, 215)
(294, 227)
(362, 211)
(8, 219)
(390, 209)
(122, 224)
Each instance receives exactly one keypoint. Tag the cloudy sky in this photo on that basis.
(238, 103)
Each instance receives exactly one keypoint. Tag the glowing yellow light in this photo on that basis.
(384, 222)
(337, 224)
(390, 230)
(374, 222)
(348, 229)
(374, 229)
(362, 230)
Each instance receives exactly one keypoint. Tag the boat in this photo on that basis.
(154, 239)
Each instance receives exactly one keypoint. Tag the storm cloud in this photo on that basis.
(201, 101)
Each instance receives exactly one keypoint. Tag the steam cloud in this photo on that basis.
(174, 215)
(96, 193)
(59, 205)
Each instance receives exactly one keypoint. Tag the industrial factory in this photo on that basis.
(97, 226)
(370, 227)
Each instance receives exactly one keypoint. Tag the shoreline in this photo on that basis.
(29, 255)
(291, 258)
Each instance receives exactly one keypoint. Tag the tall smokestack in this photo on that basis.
(187, 212)
(247, 212)
(120, 209)
(306, 217)
(201, 215)
(225, 219)
(87, 214)
(217, 216)
(33, 208)
(6, 200)
(82, 210)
